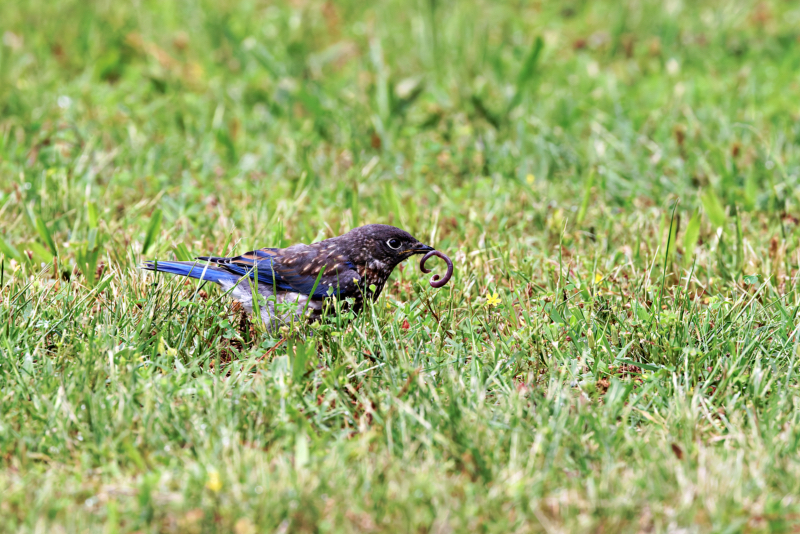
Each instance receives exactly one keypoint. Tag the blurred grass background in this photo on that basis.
(621, 175)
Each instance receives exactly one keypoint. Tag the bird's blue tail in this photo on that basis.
(192, 269)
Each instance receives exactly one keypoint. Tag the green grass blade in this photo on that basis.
(153, 230)
(713, 207)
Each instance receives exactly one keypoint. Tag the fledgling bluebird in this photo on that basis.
(350, 265)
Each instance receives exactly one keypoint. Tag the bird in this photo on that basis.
(355, 265)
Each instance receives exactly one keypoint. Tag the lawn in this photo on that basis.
(616, 182)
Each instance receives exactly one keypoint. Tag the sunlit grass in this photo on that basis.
(617, 184)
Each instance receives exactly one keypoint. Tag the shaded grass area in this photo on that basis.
(615, 181)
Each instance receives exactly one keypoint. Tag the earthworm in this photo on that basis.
(436, 280)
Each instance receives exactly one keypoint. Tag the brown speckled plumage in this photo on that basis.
(354, 266)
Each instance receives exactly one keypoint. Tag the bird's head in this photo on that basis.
(384, 243)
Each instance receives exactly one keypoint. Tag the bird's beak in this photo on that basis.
(419, 248)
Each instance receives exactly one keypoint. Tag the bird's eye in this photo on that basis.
(393, 243)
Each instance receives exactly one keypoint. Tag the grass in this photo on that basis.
(622, 175)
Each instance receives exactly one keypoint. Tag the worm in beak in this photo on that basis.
(436, 280)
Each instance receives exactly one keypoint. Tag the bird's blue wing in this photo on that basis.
(192, 269)
(295, 269)
(257, 264)
(340, 279)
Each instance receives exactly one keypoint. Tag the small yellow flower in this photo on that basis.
(530, 179)
(214, 483)
(493, 299)
(597, 277)
(163, 348)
